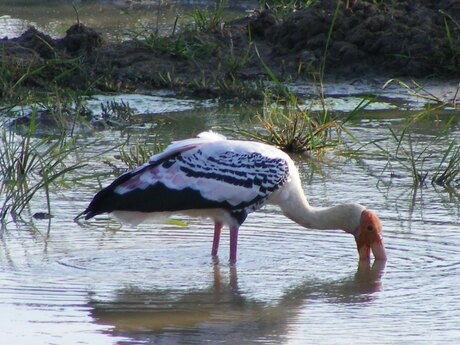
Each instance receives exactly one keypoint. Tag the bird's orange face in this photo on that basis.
(370, 237)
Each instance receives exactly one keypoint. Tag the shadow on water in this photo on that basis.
(222, 313)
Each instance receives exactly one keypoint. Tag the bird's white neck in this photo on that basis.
(343, 216)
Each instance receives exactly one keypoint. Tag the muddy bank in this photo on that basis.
(395, 38)
(399, 38)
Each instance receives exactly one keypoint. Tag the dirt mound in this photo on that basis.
(80, 39)
(406, 37)
(37, 41)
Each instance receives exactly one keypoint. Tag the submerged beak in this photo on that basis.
(369, 237)
(377, 249)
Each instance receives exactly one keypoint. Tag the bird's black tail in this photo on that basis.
(100, 204)
(106, 200)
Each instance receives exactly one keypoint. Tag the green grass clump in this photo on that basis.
(288, 126)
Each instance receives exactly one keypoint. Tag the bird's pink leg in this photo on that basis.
(215, 242)
(233, 243)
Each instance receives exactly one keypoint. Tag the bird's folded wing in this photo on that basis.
(230, 180)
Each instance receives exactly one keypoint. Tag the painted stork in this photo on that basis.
(210, 176)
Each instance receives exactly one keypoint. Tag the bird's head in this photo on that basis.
(369, 237)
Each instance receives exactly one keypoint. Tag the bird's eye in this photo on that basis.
(370, 228)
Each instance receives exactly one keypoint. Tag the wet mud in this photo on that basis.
(408, 38)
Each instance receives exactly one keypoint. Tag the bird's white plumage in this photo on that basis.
(187, 144)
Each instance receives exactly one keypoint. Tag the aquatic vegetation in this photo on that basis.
(119, 112)
(418, 90)
(29, 165)
(408, 156)
(292, 128)
(448, 172)
(64, 113)
(61, 113)
(134, 155)
(40, 149)
(412, 156)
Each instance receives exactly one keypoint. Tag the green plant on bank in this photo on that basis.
(185, 44)
(208, 20)
(146, 36)
(152, 39)
(16, 81)
(182, 45)
(283, 8)
(233, 62)
(328, 42)
(223, 87)
(12, 78)
(29, 165)
(452, 41)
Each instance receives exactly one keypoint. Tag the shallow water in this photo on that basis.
(98, 282)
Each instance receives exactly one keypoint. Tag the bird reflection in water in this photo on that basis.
(223, 313)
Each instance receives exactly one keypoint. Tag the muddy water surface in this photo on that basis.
(99, 282)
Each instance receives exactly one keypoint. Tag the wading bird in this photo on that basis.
(210, 176)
